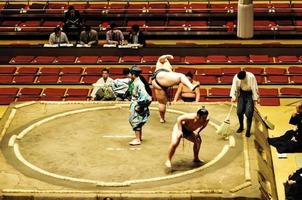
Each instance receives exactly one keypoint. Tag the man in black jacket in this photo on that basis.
(136, 36)
(72, 21)
(293, 186)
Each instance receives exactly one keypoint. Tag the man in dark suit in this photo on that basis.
(89, 37)
(136, 36)
(73, 21)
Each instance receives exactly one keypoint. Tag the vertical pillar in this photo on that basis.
(245, 19)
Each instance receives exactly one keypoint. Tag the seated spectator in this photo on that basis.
(186, 94)
(291, 141)
(72, 21)
(136, 36)
(58, 37)
(293, 186)
(101, 89)
(114, 36)
(89, 37)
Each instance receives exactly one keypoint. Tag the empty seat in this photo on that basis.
(198, 7)
(22, 59)
(296, 79)
(7, 70)
(209, 71)
(44, 59)
(260, 58)
(146, 69)
(155, 25)
(93, 71)
(24, 79)
(116, 70)
(260, 79)
(294, 70)
(281, 59)
(277, 79)
(197, 25)
(230, 70)
(219, 91)
(76, 94)
(285, 25)
(28, 98)
(219, 8)
(195, 59)
(9, 25)
(217, 58)
(97, 8)
(75, 79)
(53, 94)
(116, 8)
(29, 26)
(137, 8)
(275, 71)
(27, 70)
(291, 91)
(238, 59)
(48, 26)
(90, 79)
(6, 100)
(31, 91)
(65, 59)
(264, 25)
(50, 70)
(185, 70)
(269, 101)
(157, 8)
(176, 25)
(109, 59)
(226, 79)
(281, 7)
(150, 58)
(87, 59)
(6, 79)
(50, 79)
(207, 79)
(9, 91)
(268, 92)
(254, 70)
(71, 70)
(136, 59)
(261, 7)
(56, 8)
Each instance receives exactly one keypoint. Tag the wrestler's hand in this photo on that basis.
(170, 57)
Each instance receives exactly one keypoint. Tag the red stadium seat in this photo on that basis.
(281, 59)
(71, 70)
(65, 59)
(230, 70)
(238, 59)
(96, 8)
(157, 8)
(44, 59)
(116, 8)
(24, 79)
(50, 70)
(28, 98)
(254, 70)
(48, 26)
(22, 59)
(264, 25)
(275, 71)
(9, 25)
(269, 101)
(77, 92)
(81, 7)
(155, 25)
(277, 79)
(285, 25)
(136, 59)
(185, 70)
(47, 79)
(176, 25)
(116, 70)
(203, 92)
(226, 79)
(5, 100)
(216, 99)
(109, 59)
(30, 91)
(54, 92)
(296, 79)
(177, 8)
(29, 26)
(268, 92)
(209, 71)
(56, 8)
(27, 70)
(9, 91)
(195, 60)
(7, 70)
(260, 79)
(197, 25)
(261, 7)
(296, 7)
(198, 7)
(219, 92)
(6, 79)
(70, 79)
(93, 71)
(260, 58)
(294, 70)
(146, 70)
(150, 58)
(291, 91)
(219, 8)
(87, 59)
(136, 8)
(207, 79)
(90, 79)
(217, 59)
(281, 7)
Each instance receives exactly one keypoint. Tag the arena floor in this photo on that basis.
(81, 148)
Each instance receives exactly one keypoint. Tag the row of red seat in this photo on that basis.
(48, 70)
(8, 95)
(151, 25)
(146, 7)
(153, 59)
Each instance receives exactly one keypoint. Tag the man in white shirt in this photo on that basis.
(58, 37)
(101, 89)
(245, 91)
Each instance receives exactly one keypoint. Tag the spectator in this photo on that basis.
(291, 141)
(293, 186)
(136, 36)
(102, 90)
(58, 37)
(89, 36)
(185, 93)
(72, 21)
(114, 36)
(245, 91)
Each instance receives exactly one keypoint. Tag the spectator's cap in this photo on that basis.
(135, 70)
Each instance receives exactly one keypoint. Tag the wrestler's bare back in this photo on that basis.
(192, 121)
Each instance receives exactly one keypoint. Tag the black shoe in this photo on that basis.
(247, 134)
(240, 129)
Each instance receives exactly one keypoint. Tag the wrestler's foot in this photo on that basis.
(162, 121)
(168, 164)
(195, 86)
(135, 142)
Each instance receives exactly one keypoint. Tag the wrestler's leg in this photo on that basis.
(169, 79)
(196, 139)
(162, 100)
(176, 137)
